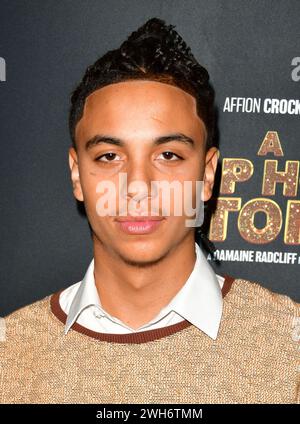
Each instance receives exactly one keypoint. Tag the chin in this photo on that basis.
(140, 254)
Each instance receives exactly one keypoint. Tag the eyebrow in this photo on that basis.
(106, 139)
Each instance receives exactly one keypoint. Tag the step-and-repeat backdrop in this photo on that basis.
(252, 52)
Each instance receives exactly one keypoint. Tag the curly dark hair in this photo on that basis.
(153, 52)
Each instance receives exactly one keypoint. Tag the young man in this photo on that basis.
(150, 322)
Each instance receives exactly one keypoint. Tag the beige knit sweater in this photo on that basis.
(255, 359)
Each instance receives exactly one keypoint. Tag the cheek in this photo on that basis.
(192, 189)
(193, 173)
(198, 167)
(89, 182)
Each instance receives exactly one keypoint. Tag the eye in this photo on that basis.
(110, 156)
(168, 155)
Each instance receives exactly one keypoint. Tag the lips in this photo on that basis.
(139, 225)
(139, 218)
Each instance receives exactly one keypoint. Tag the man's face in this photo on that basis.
(137, 113)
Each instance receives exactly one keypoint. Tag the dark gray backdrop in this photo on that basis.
(247, 46)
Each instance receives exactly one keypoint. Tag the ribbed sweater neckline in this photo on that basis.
(138, 337)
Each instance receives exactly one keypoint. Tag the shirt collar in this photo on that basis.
(86, 295)
(199, 301)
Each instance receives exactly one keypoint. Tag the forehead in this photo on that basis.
(138, 107)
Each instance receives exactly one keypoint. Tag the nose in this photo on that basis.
(139, 179)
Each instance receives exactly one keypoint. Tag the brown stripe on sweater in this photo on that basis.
(138, 337)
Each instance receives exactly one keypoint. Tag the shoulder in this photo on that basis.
(265, 321)
(29, 311)
(27, 333)
(37, 313)
(252, 295)
(27, 323)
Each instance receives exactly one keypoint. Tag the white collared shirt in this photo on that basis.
(199, 301)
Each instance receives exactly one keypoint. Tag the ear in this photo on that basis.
(73, 163)
(211, 162)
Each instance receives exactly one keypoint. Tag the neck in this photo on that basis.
(136, 295)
